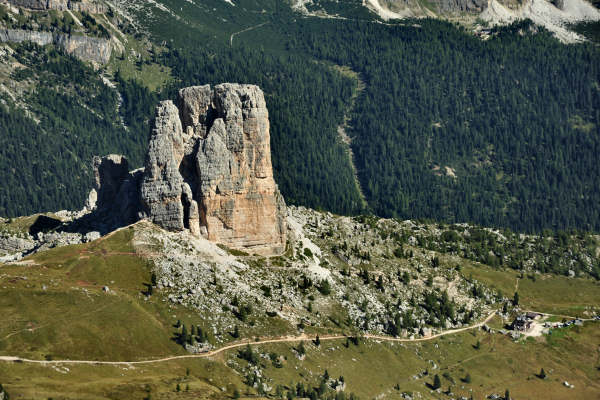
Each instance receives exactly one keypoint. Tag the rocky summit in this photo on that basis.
(208, 169)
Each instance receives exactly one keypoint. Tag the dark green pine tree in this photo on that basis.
(184, 335)
(437, 383)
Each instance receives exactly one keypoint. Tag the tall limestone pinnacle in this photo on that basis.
(208, 169)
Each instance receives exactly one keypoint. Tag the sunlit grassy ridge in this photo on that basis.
(56, 308)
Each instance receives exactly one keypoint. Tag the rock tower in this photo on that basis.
(208, 169)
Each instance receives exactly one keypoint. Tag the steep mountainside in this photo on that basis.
(442, 124)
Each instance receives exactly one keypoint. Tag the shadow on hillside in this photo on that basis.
(44, 224)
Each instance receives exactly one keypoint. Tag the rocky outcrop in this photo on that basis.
(19, 35)
(407, 8)
(10, 244)
(162, 186)
(95, 50)
(208, 169)
(60, 5)
(116, 193)
(454, 6)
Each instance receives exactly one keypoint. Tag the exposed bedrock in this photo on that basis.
(208, 169)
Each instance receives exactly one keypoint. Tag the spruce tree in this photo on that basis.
(301, 349)
(437, 383)
(184, 335)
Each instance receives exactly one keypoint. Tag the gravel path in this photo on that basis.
(287, 339)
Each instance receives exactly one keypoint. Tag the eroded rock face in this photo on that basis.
(95, 50)
(162, 185)
(60, 5)
(208, 169)
(114, 200)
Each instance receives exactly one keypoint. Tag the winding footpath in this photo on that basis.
(287, 339)
(244, 30)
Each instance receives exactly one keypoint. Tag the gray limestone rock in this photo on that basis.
(61, 5)
(208, 168)
(461, 5)
(161, 188)
(210, 174)
(109, 174)
(95, 50)
(10, 244)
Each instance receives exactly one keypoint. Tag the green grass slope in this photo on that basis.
(54, 308)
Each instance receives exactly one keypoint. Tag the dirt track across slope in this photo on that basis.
(287, 339)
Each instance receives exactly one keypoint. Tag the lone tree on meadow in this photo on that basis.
(516, 299)
(542, 374)
(301, 349)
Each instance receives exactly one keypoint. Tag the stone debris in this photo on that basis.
(221, 283)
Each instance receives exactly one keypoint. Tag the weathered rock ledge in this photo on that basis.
(95, 50)
(60, 5)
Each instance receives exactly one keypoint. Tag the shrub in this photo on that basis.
(324, 287)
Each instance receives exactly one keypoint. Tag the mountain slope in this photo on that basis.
(99, 301)
(448, 126)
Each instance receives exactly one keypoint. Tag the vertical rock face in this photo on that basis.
(114, 200)
(162, 185)
(109, 174)
(117, 191)
(61, 5)
(91, 49)
(208, 169)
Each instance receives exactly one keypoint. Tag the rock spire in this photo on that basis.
(208, 169)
